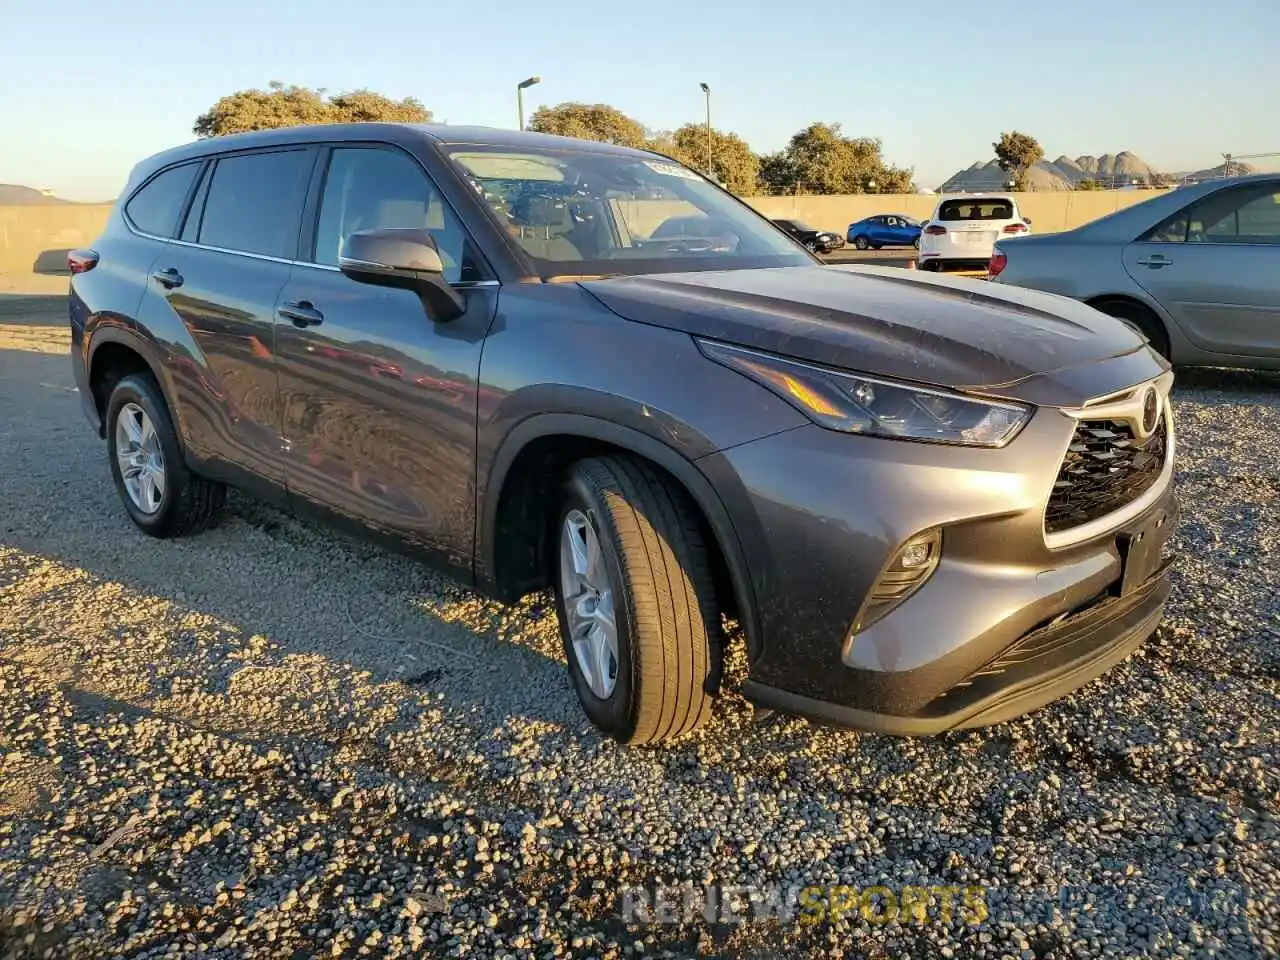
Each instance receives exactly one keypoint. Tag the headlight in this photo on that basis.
(855, 403)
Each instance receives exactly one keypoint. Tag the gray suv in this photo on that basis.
(929, 503)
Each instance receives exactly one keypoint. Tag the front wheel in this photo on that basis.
(635, 601)
(162, 497)
(861, 243)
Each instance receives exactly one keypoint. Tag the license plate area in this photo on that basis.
(1142, 552)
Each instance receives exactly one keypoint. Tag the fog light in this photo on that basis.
(907, 571)
(915, 554)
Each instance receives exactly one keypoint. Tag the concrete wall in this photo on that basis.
(1049, 212)
(35, 239)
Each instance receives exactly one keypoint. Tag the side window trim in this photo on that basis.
(315, 197)
(193, 206)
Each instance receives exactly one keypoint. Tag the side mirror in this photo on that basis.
(1027, 221)
(405, 258)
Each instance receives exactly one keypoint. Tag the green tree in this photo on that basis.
(732, 162)
(589, 121)
(1017, 153)
(281, 106)
(1088, 183)
(820, 159)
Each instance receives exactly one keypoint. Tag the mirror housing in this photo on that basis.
(405, 258)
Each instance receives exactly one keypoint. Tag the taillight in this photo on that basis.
(998, 262)
(1016, 228)
(82, 261)
(934, 230)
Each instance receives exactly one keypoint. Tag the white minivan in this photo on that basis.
(963, 230)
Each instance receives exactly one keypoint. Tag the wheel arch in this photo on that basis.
(113, 354)
(528, 466)
(1163, 326)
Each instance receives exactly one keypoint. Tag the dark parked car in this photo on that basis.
(818, 241)
(885, 230)
(929, 503)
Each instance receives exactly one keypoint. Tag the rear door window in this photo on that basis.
(156, 207)
(977, 209)
(255, 201)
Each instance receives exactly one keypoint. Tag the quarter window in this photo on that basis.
(375, 188)
(156, 207)
(254, 201)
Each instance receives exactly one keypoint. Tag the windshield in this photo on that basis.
(586, 213)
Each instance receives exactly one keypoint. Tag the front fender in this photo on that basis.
(642, 444)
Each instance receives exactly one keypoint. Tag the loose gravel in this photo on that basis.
(269, 741)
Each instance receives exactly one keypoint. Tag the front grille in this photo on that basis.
(1106, 467)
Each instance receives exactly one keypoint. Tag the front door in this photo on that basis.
(222, 279)
(379, 401)
(1215, 267)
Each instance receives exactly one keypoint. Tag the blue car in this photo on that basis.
(885, 230)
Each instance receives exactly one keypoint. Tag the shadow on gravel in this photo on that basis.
(39, 310)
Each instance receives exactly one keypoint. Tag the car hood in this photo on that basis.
(949, 332)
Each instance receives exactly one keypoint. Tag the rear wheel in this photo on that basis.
(162, 497)
(635, 601)
(861, 243)
(916, 243)
(1140, 319)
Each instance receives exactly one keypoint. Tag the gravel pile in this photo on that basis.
(272, 742)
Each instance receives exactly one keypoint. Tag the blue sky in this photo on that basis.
(88, 89)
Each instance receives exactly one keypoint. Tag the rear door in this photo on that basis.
(379, 402)
(1215, 268)
(222, 279)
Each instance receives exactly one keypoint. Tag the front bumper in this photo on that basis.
(1042, 666)
(820, 514)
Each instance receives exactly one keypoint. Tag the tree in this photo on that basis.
(281, 106)
(1017, 153)
(589, 121)
(1088, 183)
(819, 159)
(732, 162)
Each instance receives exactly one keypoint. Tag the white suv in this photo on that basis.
(964, 229)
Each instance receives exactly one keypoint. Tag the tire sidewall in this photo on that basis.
(142, 391)
(860, 243)
(613, 714)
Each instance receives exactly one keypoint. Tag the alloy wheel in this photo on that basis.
(588, 603)
(140, 458)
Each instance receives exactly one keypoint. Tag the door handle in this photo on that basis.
(169, 278)
(1155, 261)
(301, 313)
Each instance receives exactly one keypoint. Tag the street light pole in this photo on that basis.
(520, 89)
(707, 90)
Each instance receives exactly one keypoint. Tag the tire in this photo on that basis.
(655, 565)
(187, 503)
(916, 243)
(1141, 320)
(861, 243)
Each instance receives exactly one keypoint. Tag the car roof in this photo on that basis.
(396, 132)
(977, 196)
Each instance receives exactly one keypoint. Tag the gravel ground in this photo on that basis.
(269, 741)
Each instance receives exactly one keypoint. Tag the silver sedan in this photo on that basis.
(1196, 270)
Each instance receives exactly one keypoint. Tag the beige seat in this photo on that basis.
(543, 223)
